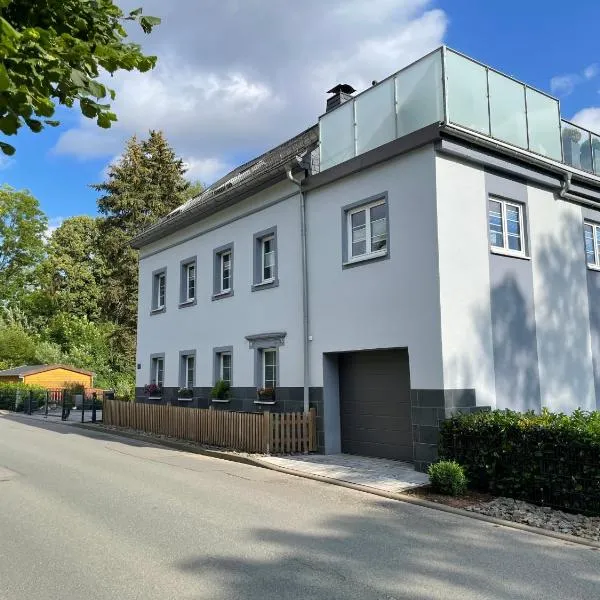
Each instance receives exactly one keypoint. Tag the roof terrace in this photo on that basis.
(450, 88)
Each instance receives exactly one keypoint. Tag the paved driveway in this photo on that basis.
(88, 515)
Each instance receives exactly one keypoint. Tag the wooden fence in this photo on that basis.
(275, 433)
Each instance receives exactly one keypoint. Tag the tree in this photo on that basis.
(22, 227)
(16, 347)
(144, 185)
(54, 51)
(71, 277)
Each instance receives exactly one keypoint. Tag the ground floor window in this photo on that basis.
(270, 367)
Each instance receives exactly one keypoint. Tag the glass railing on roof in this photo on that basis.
(446, 86)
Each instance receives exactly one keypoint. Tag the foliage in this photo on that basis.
(153, 390)
(447, 477)
(72, 275)
(220, 390)
(54, 51)
(545, 458)
(17, 347)
(266, 393)
(185, 392)
(22, 225)
(14, 395)
(145, 184)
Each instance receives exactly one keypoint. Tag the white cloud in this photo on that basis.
(591, 71)
(589, 118)
(53, 224)
(206, 169)
(235, 78)
(563, 85)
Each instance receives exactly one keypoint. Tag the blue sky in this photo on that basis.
(246, 76)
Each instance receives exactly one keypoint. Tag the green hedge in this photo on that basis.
(549, 459)
(13, 396)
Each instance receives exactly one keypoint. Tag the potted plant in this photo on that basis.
(185, 394)
(220, 391)
(153, 391)
(266, 394)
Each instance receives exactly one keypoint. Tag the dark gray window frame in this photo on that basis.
(182, 367)
(217, 253)
(154, 356)
(183, 301)
(265, 341)
(346, 262)
(155, 310)
(258, 283)
(217, 362)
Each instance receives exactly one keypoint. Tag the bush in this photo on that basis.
(447, 477)
(15, 396)
(548, 458)
(220, 390)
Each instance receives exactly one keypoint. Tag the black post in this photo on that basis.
(94, 407)
(29, 402)
(83, 406)
(47, 394)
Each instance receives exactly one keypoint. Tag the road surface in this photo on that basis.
(88, 516)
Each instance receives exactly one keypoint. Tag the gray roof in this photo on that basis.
(30, 369)
(261, 172)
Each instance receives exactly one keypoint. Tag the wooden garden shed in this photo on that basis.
(48, 376)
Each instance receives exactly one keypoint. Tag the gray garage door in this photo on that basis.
(375, 404)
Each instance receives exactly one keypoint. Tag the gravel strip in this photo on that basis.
(540, 516)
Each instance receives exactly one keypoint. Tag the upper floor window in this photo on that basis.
(268, 259)
(506, 226)
(188, 281)
(223, 271)
(592, 244)
(159, 290)
(265, 259)
(367, 230)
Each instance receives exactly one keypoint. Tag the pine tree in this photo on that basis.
(145, 184)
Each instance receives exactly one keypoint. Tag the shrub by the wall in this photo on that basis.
(550, 459)
(447, 477)
(14, 396)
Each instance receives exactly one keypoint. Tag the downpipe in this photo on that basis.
(306, 379)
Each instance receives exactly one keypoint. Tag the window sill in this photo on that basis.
(267, 402)
(222, 295)
(593, 267)
(366, 258)
(510, 254)
(157, 311)
(154, 397)
(185, 399)
(220, 400)
(187, 303)
(264, 285)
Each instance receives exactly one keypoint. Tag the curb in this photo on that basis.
(254, 462)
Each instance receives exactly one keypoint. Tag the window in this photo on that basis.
(159, 290)
(505, 220)
(365, 230)
(367, 233)
(187, 372)
(265, 259)
(157, 374)
(225, 367)
(187, 294)
(592, 244)
(225, 260)
(269, 367)
(268, 259)
(223, 272)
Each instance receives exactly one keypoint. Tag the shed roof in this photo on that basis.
(32, 369)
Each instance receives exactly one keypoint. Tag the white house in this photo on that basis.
(432, 244)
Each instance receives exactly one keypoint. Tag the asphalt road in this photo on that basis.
(87, 516)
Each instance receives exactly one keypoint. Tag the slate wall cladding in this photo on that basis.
(428, 409)
(288, 399)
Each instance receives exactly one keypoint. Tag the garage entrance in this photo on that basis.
(375, 409)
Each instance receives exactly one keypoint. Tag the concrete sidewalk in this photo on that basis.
(378, 473)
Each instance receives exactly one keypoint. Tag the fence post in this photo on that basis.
(47, 394)
(94, 396)
(267, 432)
(83, 407)
(29, 398)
